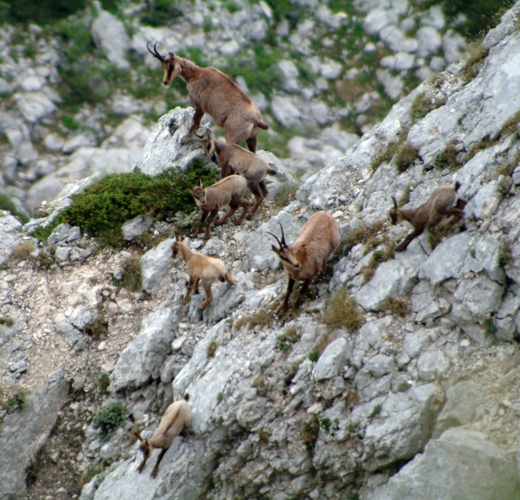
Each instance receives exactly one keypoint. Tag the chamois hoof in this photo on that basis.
(203, 306)
(186, 139)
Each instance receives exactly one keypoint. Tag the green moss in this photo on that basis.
(10, 206)
(109, 418)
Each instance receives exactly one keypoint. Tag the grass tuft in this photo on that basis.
(365, 234)
(398, 306)
(285, 340)
(342, 311)
(211, 349)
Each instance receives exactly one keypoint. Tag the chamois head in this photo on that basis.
(199, 193)
(170, 64)
(144, 445)
(176, 248)
(208, 144)
(284, 251)
(395, 215)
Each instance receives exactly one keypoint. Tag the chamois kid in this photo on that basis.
(217, 94)
(234, 159)
(442, 203)
(306, 258)
(229, 191)
(200, 267)
(177, 417)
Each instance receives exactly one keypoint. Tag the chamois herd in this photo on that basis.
(215, 93)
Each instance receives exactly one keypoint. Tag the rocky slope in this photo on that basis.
(81, 96)
(421, 399)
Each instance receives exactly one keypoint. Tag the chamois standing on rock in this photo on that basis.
(442, 203)
(177, 417)
(306, 258)
(200, 267)
(217, 94)
(229, 191)
(234, 159)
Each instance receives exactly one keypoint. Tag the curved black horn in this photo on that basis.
(283, 236)
(395, 202)
(154, 52)
(275, 237)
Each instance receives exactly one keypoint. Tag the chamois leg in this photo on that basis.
(196, 287)
(228, 214)
(402, 246)
(142, 464)
(201, 222)
(257, 193)
(302, 293)
(209, 297)
(247, 205)
(195, 123)
(251, 144)
(283, 306)
(212, 215)
(263, 188)
(159, 458)
(189, 288)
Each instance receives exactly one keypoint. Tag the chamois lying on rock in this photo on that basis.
(442, 203)
(229, 191)
(217, 94)
(306, 258)
(177, 417)
(200, 267)
(234, 159)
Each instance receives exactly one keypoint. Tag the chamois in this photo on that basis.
(177, 417)
(200, 268)
(306, 258)
(217, 94)
(226, 191)
(234, 159)
(442, 203)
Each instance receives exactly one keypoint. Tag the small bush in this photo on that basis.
(5, 320)
(70, 122)
(103, 208)
(104, 383)
(403, 386)
(405, 156)
(447, 158)
(309, 432)
(16, 402)
(109, 418)
(38, 11)
(211, 349)
(161, 12)
(314, 356)
(131, 277)
(260, 386)
(98, 328)
(342, 311)
(285, 340)
(329, 426)
(398, 306)
(376, 410)
(22, 251)
(220, 397)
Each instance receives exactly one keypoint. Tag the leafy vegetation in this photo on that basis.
(102, 209)
(131, 278)
(10, 206)
(287, 338)
(38, 11)
(109, 418)
(309, 432)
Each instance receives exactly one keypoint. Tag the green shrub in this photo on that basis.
(161, 12)
(109, 418)
(17, 402)
(102, 209)
(285, 340)
(39, 11)
(132, 278)
(7, 204)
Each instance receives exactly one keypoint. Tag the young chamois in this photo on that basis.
(442, 203)
(177, 417)
(200, 268)
(229, 191)
(306, 258)
(234, 159)
(217, 94)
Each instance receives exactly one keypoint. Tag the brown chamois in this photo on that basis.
(229, 191)
(217, 94)
(234, 159)
(200, 267)
(306, 258)
(442, 203)
(177, 417)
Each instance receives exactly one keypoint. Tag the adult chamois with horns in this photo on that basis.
(444, 202)
(217, 94)
(306, 258)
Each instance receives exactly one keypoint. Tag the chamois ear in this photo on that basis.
(274, 248)
(178, 237)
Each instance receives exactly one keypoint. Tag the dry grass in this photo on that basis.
(405, 156)
(438, 233)
(477, 54)
(309, 432)
(22, 251)
(259, 384)
(424, 104)
(365, 235)
(342, 311)
(262, 318)
(211, 349)
(447, 158)
(378, 257)
(131, 279)
(285, 340)
(398, 306)
(286, 194)
(98, 328)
